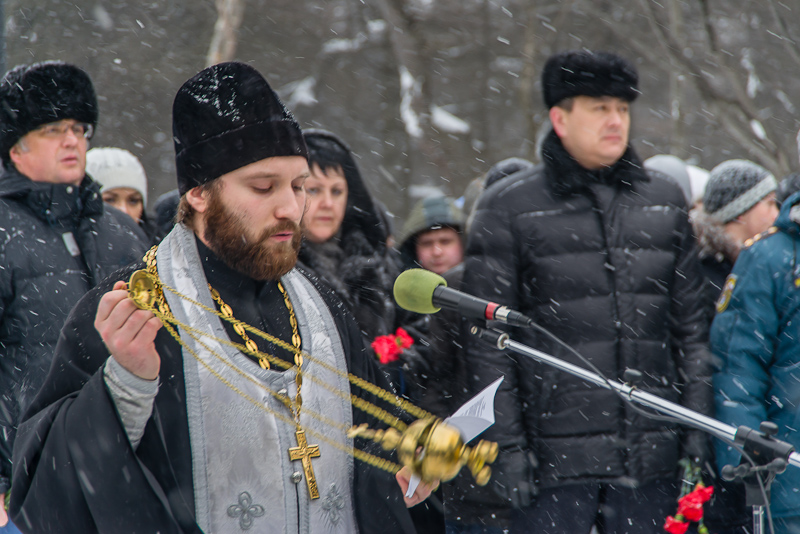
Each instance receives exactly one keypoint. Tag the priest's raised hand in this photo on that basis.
(129, 332)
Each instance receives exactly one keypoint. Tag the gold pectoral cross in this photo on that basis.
(305, 452)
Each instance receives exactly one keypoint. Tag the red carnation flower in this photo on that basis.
(403, 339)
(691, 509)
(386, 348)
(675, 526)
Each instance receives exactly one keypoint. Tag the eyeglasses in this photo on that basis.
(56, 130)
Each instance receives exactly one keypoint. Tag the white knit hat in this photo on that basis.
(116, 167)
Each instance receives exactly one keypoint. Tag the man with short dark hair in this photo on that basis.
(601, 253)
(216, 422)
(56, 239)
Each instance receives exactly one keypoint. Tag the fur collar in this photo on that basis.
(712, 240)
(566, 176)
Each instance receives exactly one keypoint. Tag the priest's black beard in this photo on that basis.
(227, 235)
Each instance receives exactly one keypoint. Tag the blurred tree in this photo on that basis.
(412, 53)
(226, 31)
(431, 93)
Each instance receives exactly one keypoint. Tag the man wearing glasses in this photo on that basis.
(57, 240)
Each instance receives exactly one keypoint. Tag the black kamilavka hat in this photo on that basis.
(225, 117)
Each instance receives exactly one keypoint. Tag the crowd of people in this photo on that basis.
(116, 418)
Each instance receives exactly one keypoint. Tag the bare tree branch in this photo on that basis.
(780, 22)
(427, 161)
(226, 31)
(734, 108)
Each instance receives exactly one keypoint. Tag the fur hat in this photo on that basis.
(226, 117)
(41, 93)
(583, 73)
(116, 167)
(735, 186)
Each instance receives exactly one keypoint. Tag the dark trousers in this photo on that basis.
(612, 508)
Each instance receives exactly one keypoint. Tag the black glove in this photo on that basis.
(697, 447)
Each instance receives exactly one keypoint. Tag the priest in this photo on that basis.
(142, 427)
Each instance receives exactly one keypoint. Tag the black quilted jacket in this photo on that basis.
(56, 243)
(606, 261)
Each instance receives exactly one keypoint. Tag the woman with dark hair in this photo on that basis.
(345, 237)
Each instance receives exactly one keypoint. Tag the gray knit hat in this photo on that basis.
(735, 186)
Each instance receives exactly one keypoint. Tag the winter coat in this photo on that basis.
(56, 243)
(755, 336)
(606, 261)
(718, 252)
(359, 266)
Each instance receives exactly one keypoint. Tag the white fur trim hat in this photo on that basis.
(116, 167)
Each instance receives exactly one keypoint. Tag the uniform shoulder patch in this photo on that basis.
(758, 237)
(727, 290)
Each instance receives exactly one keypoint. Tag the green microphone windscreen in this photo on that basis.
(413, 290)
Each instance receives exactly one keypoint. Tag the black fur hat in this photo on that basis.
(32, 95)
(225, 117)
(582, 73)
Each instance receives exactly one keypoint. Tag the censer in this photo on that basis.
(433, 449)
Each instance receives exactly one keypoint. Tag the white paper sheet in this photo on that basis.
(475, 416)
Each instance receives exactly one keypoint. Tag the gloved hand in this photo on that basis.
(697, 447)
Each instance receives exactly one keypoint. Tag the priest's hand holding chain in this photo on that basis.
(129, 332)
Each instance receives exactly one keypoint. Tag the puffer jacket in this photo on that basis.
(755, 336)
(56, 243)
(606, 261)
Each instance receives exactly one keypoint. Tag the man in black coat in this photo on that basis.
(136, 430)
(57, 240)
(600, 253)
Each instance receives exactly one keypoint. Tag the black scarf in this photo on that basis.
(566, 176)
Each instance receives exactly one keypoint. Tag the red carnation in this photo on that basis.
(674, 526)
(386, 348)
(704, 493)
(690, 509)
(403, 339)
(690, 505)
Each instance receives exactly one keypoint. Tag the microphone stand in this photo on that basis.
(770, 455)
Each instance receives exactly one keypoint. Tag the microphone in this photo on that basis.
(421, 291)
